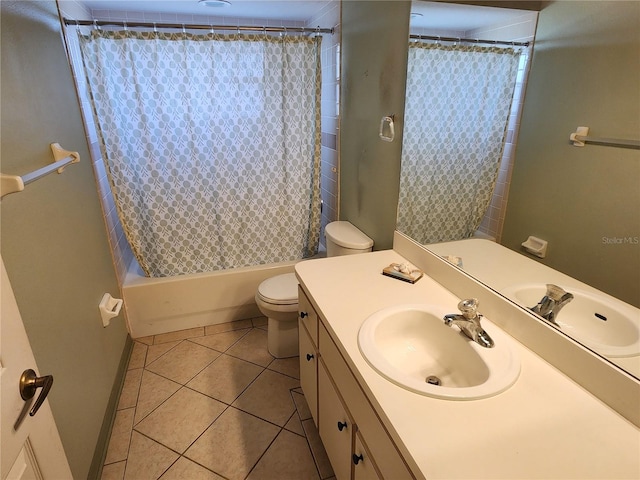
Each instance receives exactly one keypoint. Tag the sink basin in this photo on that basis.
(411, 346)
(608, 326)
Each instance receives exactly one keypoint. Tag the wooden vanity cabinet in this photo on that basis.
(308, 347)
(357, 444)
(336, 428)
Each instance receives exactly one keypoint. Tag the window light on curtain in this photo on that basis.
(456, 113)
(212, 145)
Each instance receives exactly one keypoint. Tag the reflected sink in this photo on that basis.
(411, 346)
(608, 326)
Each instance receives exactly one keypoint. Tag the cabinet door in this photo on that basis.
(308, 315)
(308, 370)
(335, 426)
(364, 468)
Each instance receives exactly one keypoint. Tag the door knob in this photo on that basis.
(29, 383)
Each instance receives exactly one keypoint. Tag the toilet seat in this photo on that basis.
(279, 290)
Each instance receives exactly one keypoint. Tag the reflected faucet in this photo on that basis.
(469, 322)
(552, 303)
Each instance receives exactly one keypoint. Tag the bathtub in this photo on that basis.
(161, 305)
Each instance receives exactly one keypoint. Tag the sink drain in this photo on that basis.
(433, 380)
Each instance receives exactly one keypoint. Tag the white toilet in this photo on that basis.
(277, 297)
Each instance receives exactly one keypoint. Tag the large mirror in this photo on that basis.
(582, 70)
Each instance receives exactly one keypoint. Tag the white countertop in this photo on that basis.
(544, 426)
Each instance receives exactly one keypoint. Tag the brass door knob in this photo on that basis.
(29, 383)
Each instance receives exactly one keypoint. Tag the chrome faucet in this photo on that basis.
(552, 303)
(469, 322)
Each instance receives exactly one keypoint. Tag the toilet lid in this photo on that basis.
(280, 290)
(346, 235)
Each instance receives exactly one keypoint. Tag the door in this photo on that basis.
(30, 447)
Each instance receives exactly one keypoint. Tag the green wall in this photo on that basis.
(374, 66)
(53, 237)
(584, 201)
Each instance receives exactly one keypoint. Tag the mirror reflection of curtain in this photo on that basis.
(456, 113)
(212, 145)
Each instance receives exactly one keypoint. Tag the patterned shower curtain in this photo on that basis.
(211, 143)
(456, 112)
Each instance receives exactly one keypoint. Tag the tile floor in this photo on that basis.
(212, 403)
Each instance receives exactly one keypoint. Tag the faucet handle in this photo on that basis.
(469, 308)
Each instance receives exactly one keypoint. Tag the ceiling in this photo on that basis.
(264, 9)
(435, 15)
(464, 18)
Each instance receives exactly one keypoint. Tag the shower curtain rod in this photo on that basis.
(468, 40)
(110, 23)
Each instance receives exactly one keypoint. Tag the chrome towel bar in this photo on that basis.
(580, 138)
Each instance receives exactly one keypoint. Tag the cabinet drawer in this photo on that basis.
(307, 315)
(308, 370)
(364, 468)
(382, 449)
(335, 426)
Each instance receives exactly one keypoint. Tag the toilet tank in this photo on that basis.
(342, 238)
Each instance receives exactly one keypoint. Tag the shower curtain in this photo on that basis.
(456, 112)
(211, 144)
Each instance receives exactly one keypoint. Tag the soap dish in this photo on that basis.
(403, 271)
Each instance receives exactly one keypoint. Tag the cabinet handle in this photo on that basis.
(309, 357)
(357, 458)
(342, 425)
(303, 314)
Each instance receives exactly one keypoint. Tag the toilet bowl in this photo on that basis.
(277, 297)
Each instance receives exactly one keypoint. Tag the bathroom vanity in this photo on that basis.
(544, 425)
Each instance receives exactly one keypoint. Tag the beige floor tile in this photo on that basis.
(295, 425)
(221, 341)
(226, 378)
(185, 469)
(129, 393)
(268, 397)
(138, 356)
(118, 447)
(226, 327)
(115, 471)
(181, 419)
(154, 390)
(317, 449)
(253, 348)
(123, 423)
(260, 321)
(286, 366)
(236, 440)
(147, 459)
(183, 362)
(154, 352)
(301, 405)
(179, 335)
(233, 444)
(288, 458)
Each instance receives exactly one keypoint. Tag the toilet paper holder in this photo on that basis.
(109, 308)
